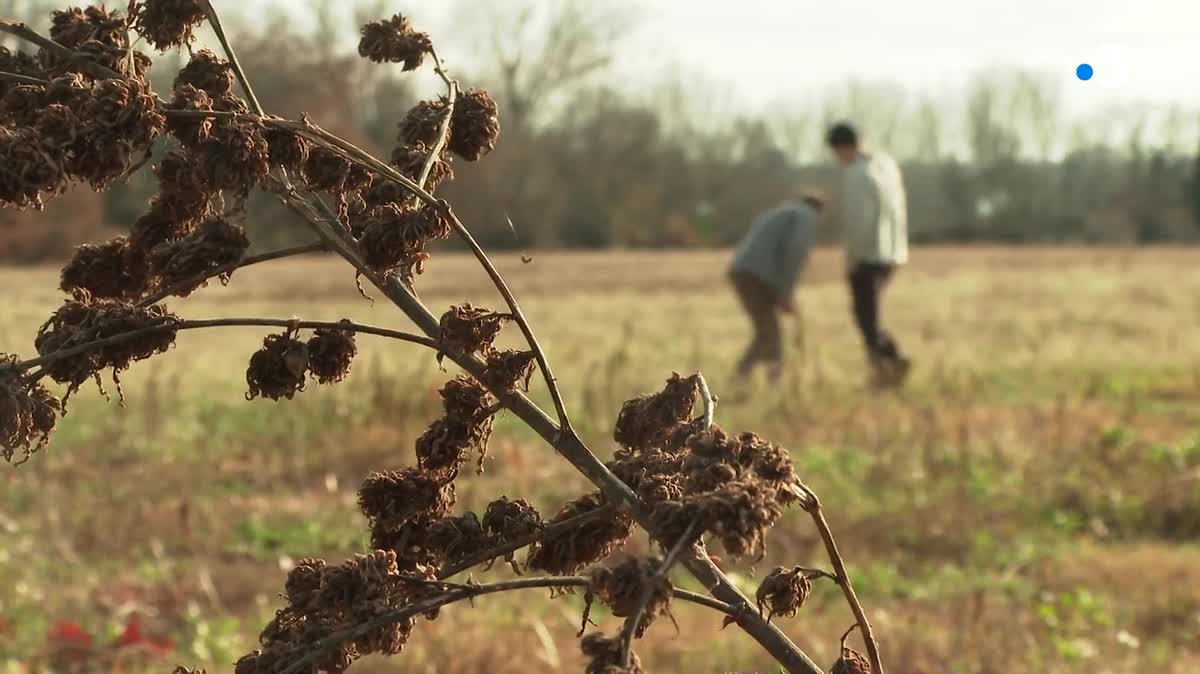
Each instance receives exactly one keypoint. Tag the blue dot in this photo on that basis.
(1084, 71)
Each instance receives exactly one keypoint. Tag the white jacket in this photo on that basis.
(875, 210)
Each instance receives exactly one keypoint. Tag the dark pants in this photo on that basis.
(867, 281)
(760, 303)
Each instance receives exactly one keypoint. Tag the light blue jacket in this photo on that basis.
(775, 249)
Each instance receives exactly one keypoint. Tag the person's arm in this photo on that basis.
(860, 213)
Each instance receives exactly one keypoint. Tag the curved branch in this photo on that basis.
(444, 132)
(247, 261)
(461, 593)
(22, 31)
(843, 579)
(224, 323)
(23, 79)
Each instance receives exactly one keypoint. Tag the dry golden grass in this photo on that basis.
(1029, 504)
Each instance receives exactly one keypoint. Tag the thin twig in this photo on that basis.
(338, 640)
(813, 506)
(635, 618)
(214, 20)
(444, 131)
(516, 544)
(20, 30)
(23, 79)
(196, 324)
(706, 398)
(247, 261)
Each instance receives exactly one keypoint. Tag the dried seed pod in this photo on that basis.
(466, 426)
(82, 322)
(169, 23)
(511, 520)
(649, 421)
(330, 353)
(235, 158)
(566, 552)
(385, 192)
(394, 238)
(28, 412)
(605, 655)
(207, 72)
(27, 171)
(422, 124)
(621, 588)
(650, 470)
(99, 160)
(466, 329)
(59, 128)
(186, 264)
(772, 464)
(475, 126)
(411, 543)
(277, 370)
(74, 27)
(22, 104)
(304, 582)
(287, 148)
(190, 131)
(851, 662)
(411, 159)
(326, 170)
(394, 41)
(393, 498)
(509, 370)
(110, 270)
(783, 592)
(445, 445)
(457, 538)
(127, 109)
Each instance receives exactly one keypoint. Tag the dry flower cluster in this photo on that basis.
(79, 108)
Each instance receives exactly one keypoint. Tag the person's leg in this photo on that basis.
(772, 337)
(864, 293)
(748, 294)
(885, 344)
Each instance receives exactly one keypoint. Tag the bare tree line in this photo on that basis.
(586, 162)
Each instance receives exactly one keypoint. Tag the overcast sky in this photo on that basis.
(766, 50)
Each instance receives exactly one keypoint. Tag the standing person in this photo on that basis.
(765, 268)
(875, 214)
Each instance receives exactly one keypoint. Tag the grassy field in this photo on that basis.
(1029, 504)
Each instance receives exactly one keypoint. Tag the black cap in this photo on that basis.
(842, 134)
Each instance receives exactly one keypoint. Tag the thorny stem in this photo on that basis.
(247, 261)
(813, 506)
(516, 544)
(635, 618)
(461, 593)
(214, 20)
(224, 323)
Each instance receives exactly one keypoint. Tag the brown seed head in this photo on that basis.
(278, 369)
(394, 238)
(621, 588)
(457, 538)
(851, 662)
(80, 322)
(393, 498)
(466, 329)
(287, 148)
(410, 160)
(650, 421)
(235, 158)
(74, 27)
(566, 552)
(207, 72)
(422, 125)
(110, 270)
(216, 243)
(394, 41)
(330, 353)
(509, 370)
(28, 412)
(169, 23)
(190, 131)
(783, 592)
(605, 655)
(511, 520)
(27, 170)
(475, 127)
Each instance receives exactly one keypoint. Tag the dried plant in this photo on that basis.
(79, 108)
